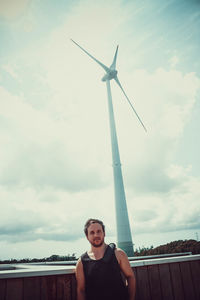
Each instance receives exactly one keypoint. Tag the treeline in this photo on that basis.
(53, 257)
(180, 246)
(172, 247)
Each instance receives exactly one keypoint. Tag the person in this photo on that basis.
(103, 272)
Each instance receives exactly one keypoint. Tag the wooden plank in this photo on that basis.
(137, 295)
(154, 280)
(176, 281)
(14, 289)
(187, 281)
(63, 287)
(48, 288)
(137, 291)
(2, 289)
(143, 288)
(32, 288)
(73, 287)
(165, 281)
(195, 270)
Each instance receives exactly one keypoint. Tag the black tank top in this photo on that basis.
(103, 279)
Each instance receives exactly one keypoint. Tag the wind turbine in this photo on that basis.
(124, 238)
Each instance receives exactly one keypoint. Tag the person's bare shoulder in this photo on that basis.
(78, 268)
(80, 279)
(79, 273)
(124, 263)
(79, 264)
(120, 255)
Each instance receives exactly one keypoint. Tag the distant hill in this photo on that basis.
(172, 247)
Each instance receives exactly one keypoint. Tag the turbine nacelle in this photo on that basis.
(109, 75)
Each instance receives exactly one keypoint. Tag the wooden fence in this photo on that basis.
(168, 281)
(157, 279)
(51, 287)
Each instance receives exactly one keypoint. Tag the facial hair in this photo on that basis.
(97, 245)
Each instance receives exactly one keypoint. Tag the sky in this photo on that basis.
(55, 150)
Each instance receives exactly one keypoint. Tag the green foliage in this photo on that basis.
(53, 257)
(180, 246)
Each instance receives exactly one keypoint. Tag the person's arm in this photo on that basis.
(80, 280)
(127, 271)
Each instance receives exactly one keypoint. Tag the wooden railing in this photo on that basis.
(169, 279)
(157, 279)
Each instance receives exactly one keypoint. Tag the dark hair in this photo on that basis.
(93, 221)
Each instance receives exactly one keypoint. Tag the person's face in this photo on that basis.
(95, 235)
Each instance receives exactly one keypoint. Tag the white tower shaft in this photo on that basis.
(123, 227)
(124, 239)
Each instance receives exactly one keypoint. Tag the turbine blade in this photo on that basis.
(102, 65)
(119, 84)
(113, 66)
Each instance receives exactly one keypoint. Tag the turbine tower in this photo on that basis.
(124, 238)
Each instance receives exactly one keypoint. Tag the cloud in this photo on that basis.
(63, 146)
(56, 167)
(48, 166)
(145, 215)
(42, 152)
(174, 60)
(18, 223)
(174, 211)
(11, 71)
(167, 103)
(12, 9)
(29, 214)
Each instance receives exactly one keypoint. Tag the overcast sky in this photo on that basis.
(55, 152)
